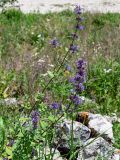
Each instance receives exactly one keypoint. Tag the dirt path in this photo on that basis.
(44, 6)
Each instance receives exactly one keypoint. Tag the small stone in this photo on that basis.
(9, 101)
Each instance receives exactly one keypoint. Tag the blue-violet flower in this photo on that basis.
(35, 115)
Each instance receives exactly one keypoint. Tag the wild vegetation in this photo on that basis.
(40, 57)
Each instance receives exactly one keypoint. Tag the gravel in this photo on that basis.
(44, 6)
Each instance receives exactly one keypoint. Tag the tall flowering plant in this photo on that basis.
(44, 118)
(73, 48)
(80, 78)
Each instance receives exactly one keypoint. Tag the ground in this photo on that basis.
(57, 5)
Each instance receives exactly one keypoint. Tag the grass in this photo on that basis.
(26, 56)
(116, 130)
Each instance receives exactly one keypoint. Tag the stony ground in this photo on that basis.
(57, 5)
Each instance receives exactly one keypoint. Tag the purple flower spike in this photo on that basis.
(81, 71)
(78, 9)
(77, 77)
(76, 99)
(80, 87)
(81, 64)
(79, 27)
(55, 105)
(80, 77)
(72, 80)
(54, 42)
(73, 48)
(35, 115)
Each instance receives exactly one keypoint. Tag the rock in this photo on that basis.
(113, 118)
(116, 155)
(9, 101)
(65, 130)
(83, 116)
(94, 148)
(101, 126)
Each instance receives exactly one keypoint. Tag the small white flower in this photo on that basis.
(50, 65)
(44, 75)
(107, 70)
(41, 61)
(39, 35)
(48, 20)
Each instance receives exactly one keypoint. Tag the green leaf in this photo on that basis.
(2, 132)
(1, 123)
(23, 119)
(66, 49)
(51, 118)
(9, 151)
(43, 124)
(50, 74)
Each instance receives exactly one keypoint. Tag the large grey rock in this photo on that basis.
(99, 148)
(101, 126)
(68, 130)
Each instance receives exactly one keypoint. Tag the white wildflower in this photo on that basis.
(107, 70)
